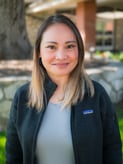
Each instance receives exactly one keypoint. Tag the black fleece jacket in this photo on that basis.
(94, 128)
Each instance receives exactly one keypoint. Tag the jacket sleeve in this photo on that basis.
(112, 147)
(13, 147)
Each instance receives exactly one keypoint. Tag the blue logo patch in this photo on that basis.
(88, 111)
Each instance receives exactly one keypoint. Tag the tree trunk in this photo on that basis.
(14, 43)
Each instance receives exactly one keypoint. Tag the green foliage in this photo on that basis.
(121, 57)
(2, 147)
(110, 55)
(119, 111)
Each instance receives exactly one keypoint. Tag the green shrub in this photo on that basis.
(2, 147)
(121, 57)
(110, 55)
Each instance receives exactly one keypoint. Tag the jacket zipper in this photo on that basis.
(73, 134)
(34, 161)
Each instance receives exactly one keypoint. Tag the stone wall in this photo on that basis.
(8, 87)
(110, 76)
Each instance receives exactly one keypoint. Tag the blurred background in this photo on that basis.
(100, 23)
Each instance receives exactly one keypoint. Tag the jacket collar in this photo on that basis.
(49, 86)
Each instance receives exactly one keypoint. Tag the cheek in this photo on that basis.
(46, 57)
(75, 55)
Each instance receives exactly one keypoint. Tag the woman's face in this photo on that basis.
(59, 50)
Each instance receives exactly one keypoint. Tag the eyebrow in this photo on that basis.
(51, 42)
(67, 42)
(72, 41)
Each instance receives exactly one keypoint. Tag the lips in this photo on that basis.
(60, 64)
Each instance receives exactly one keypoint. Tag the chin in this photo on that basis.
(61, 74)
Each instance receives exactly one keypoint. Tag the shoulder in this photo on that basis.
(102, 96)
(19, 101)
(22, 91)
(99, 92)
(23, 88)
(98, 88)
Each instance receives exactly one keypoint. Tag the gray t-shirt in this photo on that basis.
(54, 142)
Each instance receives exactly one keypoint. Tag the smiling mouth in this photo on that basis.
(61, 64)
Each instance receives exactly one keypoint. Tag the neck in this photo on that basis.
(60, 90)
(60, 81)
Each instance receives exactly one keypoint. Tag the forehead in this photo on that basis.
(58, 30)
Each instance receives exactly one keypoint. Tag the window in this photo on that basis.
(104, 34)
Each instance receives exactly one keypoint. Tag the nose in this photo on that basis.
(61, 54)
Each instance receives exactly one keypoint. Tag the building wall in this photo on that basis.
(119, 34)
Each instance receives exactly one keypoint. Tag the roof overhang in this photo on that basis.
(116, 4)
(40, 6)
(111, 9)
(110, 15)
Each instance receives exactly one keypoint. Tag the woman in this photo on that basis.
(61, 116)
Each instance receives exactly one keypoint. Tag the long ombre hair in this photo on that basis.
(78, 82)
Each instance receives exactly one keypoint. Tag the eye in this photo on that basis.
(70, 46)
(51, 47)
